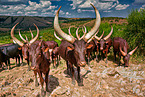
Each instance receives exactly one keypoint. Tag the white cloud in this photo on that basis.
(33, 8)
(105, 5)
(121, 7)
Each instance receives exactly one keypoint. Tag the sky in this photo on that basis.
(70, 8)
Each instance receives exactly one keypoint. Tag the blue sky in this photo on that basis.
(70, 8)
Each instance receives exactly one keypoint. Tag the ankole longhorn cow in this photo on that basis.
(26, 43)
(104, 44)
(73, 50)
(120, 46)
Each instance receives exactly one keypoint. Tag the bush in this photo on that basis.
(135, 30)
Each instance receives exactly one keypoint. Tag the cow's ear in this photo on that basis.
(70, 48)
(19, 48)
(46, 49)
(89, 46)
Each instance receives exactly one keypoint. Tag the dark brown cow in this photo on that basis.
(73, 50)
(52, 45)
(95, 47)
(40, 63)
(104, 44)
(120, 46)
(24, 45)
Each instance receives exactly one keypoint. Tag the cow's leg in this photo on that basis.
(54, 62)
(68, 68)
(6, 63)
(72, 73)
(9, 63)
(42, 83)
(88, 57)
(28, 65)
(119, 58)
(36, 81)
(16, 61)
(106, 57)
(114, 55)
(19, 60)
(96, 56)
(46, 80)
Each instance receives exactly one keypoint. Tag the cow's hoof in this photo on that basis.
(43, 93)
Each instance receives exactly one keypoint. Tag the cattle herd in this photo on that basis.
(75, 51)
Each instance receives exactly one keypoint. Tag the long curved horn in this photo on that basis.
(26, 38)
(85, 29)
(59, 31)
(84, 32)
(96, 25)
(69, 30)
(34, 39)
(122, 52)
(109, 34)
(14, 38)
(77, 33)
(98, 38)
(22, 37)
(31, 32)
(57, 36)
(131, 52)
(92, 37)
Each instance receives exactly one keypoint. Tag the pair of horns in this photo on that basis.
(105, 38)
(70, 38)
(130, 53)
(19, 42)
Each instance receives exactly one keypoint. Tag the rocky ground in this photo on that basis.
(98, 80)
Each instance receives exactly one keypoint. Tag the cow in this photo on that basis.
(120, 46)
(11, 51)
(104, 44)
(52, 45)
(73, 50)
(95, 47)
(26, 44)
(40, 63)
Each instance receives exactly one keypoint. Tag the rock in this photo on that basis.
(36, 93)
(4, 83)
(59, 91)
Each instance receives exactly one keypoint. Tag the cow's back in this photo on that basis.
(119, 42)
(51, 44)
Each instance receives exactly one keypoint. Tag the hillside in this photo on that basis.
(25, 22)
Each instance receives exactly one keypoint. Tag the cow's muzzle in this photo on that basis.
(82, 64)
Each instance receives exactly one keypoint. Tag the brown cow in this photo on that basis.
(95, 47)
(24, 45)
(120, 46)
(104, 44)
(52, 45)
(40, 63)
(73, 50)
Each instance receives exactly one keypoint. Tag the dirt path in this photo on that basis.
(98, 81)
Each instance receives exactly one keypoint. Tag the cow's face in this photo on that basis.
(102, 44)
(79, 51)
(126, 60)
(25, 51)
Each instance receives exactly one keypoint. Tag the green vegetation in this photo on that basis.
(135, 30)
